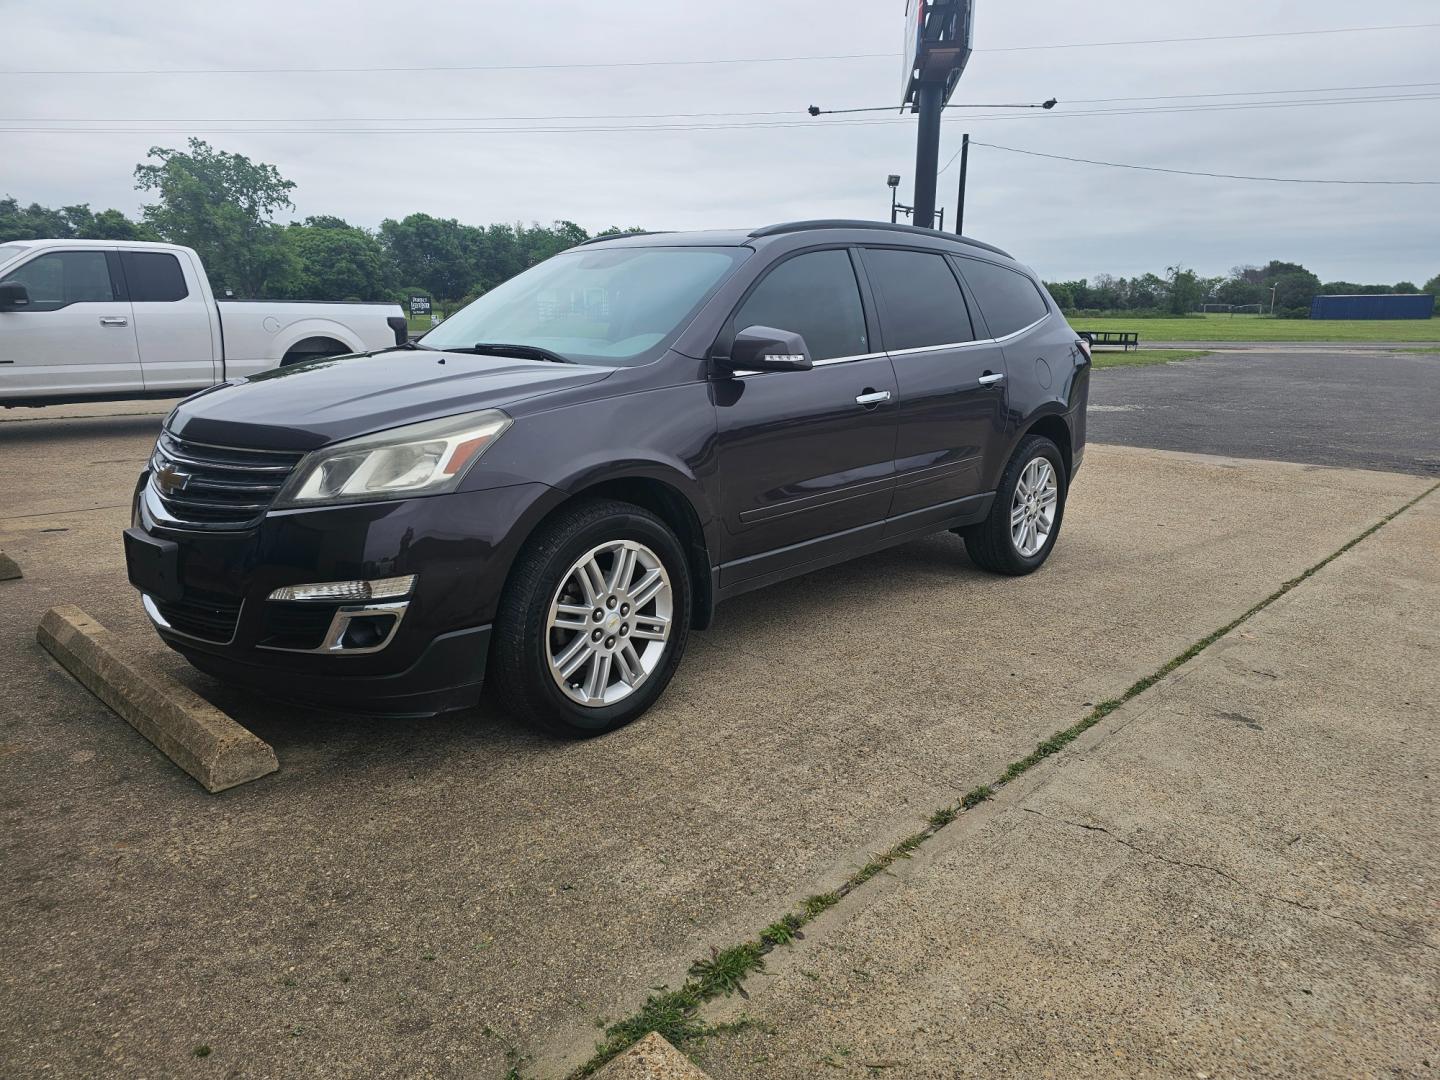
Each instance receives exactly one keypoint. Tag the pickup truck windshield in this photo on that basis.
(622, 306)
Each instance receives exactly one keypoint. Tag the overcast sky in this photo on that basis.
(1067, 220)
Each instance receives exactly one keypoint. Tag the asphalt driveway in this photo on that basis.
(1358, 408)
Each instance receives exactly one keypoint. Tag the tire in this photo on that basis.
(992, 544)
(547, 572)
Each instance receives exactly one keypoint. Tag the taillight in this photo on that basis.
(1083, 344)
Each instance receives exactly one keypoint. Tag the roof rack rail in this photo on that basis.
(621, 236)
(884, 226)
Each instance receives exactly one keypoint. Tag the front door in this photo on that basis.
(806, 458)
(951, 411)
(74, 337)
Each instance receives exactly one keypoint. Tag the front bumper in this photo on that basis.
(459, 546)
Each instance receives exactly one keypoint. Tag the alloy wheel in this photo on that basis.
(609, 623)
(1032, 507)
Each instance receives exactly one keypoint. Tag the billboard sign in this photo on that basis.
(419, 305)
(938, 41)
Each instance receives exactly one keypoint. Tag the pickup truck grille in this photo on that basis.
(217, 487)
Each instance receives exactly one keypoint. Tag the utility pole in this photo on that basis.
(964, 168)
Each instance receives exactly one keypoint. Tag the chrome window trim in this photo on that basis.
(827, 362)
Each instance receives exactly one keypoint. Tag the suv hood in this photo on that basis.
(320, 402)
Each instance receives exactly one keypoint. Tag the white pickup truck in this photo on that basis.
(88, 320)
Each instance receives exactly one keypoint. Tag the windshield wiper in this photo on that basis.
(522, 352)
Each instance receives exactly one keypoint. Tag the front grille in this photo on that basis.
(296, 625)
(208, 616)
(217, 487)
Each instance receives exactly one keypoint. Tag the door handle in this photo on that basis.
(871, 398)
(114, 320)
(992, 378)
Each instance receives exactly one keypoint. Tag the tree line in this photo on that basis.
(224, 205)
(1289, 287)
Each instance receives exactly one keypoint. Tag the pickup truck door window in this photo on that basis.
(951, 422)
(75, 336)
(807, 456)
(172, 321)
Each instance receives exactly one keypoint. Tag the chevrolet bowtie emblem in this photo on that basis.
(170, 480)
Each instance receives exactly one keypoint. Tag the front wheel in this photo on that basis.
(594, 619)
(1024, 521)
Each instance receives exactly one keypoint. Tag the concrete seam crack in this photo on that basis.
(1237, 882)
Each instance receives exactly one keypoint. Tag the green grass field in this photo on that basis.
(1104, 358)
(1263, 328)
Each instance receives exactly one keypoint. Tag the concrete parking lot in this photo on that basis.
(457, 896)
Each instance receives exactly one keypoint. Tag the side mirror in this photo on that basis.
(764, 348)
(13, 296)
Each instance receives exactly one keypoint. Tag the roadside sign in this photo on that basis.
(419, 305)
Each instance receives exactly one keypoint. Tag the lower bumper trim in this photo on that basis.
(448, 675)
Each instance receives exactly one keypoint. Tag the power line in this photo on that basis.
(1193, 172)
(315, 70)
(1250, 93)
(720, 115)
(591, 65)
(1213, 37)
(720, 126)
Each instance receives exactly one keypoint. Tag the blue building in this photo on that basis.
(1373, 306)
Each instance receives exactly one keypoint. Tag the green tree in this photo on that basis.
(1184, 292)
(222, 205)
(36, 222)
(438, 253)
(1293, 292)
(1433, 288)
(1405, 287)
(337, 261)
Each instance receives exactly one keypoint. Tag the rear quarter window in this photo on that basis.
(1008, 299)
(153, 276)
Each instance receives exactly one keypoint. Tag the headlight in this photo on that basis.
(419, 459)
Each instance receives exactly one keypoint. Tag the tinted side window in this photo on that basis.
(64, 277)
(816, 296)
(153, 276)
(1008, 299)
(922, 300)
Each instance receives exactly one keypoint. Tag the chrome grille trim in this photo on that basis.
(224, 487)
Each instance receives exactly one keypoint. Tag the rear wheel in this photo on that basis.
(1024, 521)
(594, 620)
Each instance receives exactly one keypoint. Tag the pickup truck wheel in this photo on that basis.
(593, 621)
(1024, 521)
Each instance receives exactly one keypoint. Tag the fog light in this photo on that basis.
(391, 588)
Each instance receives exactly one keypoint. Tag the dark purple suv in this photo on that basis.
(551, 489)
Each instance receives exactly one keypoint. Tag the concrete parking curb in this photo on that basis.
(652, 1058)
(8, 569)
(191, 732)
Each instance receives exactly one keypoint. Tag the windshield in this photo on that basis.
(9, 251)
(621, 306)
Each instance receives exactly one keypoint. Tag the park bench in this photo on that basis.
(1126, 339)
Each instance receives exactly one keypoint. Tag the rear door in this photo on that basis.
(806, 458)
(172, 320)
(951, 415)
(75, 336)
